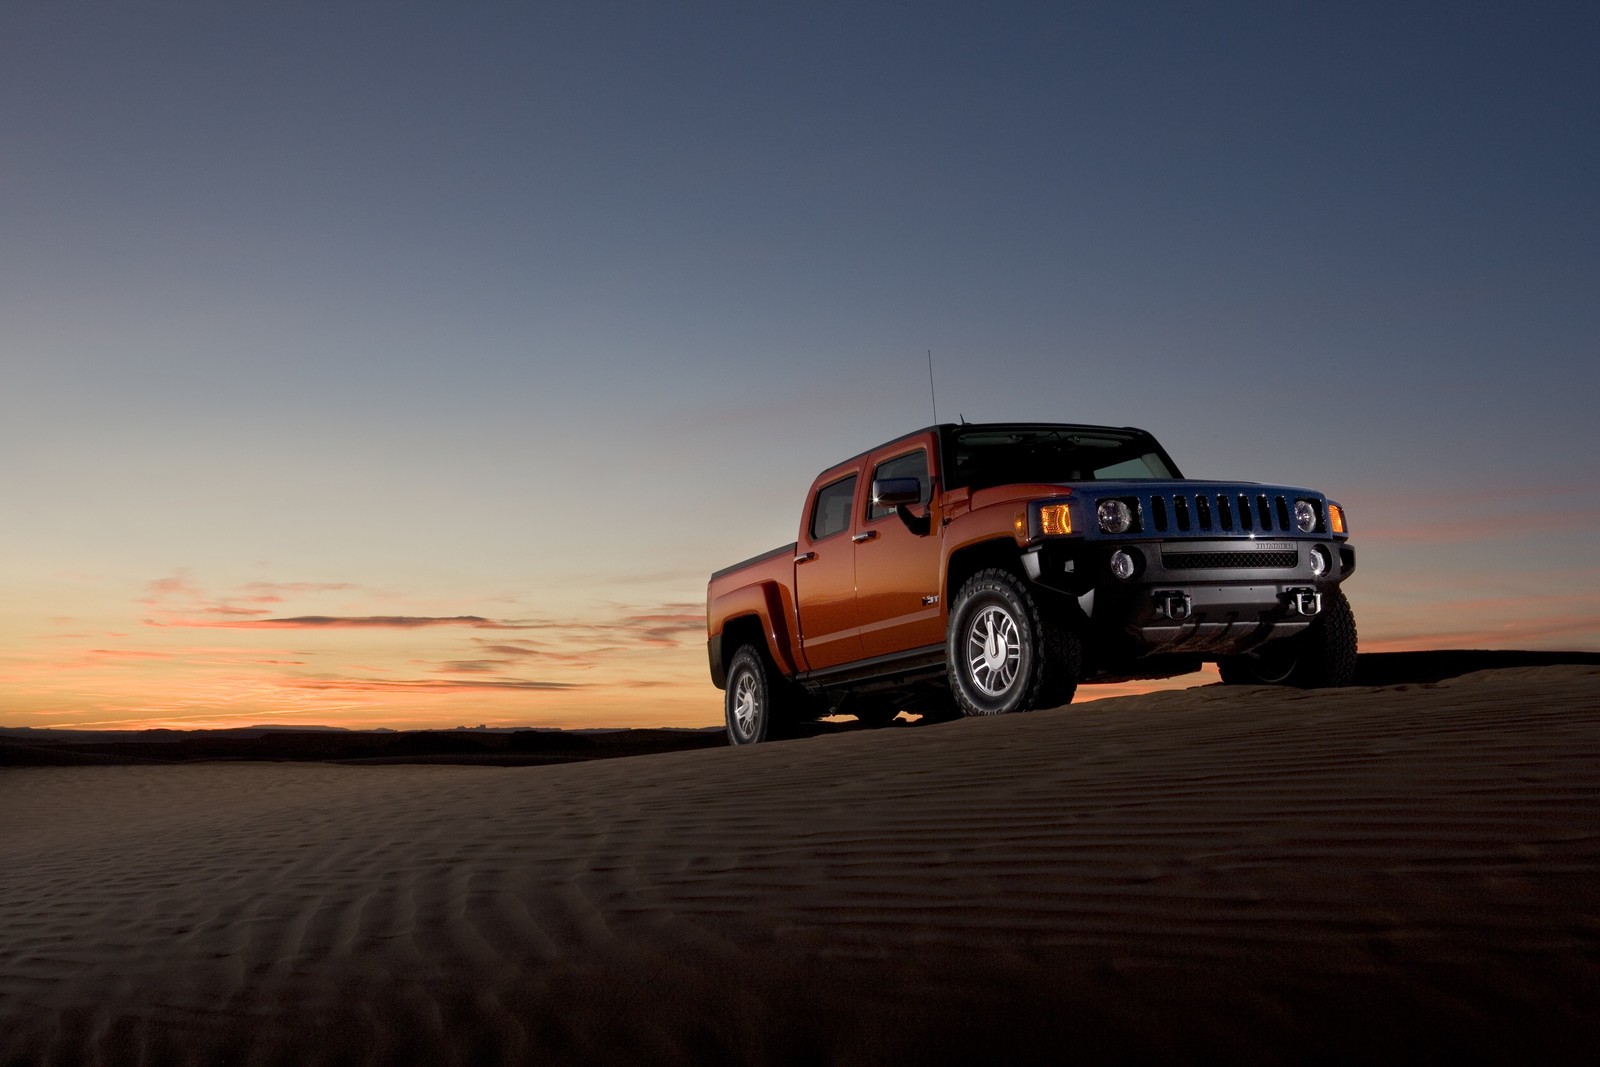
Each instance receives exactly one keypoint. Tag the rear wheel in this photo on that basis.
(1005, 654)
(755, 705)
(1323, 657)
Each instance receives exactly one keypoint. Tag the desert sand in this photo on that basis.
(1243, 874)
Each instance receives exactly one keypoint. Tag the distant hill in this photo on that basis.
(26, 746)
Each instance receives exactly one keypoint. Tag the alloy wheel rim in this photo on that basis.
(994, 651)
(746, 705)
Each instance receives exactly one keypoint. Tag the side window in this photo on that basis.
(910, 465)
(831, 513)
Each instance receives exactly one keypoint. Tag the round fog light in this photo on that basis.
(1122, 565)
(1319, 561)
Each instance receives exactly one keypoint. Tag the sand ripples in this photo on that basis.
(1218, 868)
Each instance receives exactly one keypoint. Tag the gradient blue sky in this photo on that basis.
(386, 318)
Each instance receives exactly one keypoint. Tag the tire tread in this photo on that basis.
(1325, 655)
(1058, 653)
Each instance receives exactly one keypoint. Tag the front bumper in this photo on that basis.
(1215, 597)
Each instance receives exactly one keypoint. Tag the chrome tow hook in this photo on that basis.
(1305, 601)
(1174, 605)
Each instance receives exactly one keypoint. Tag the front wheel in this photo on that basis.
(1004, 653)
(753, 705)
(1321, 658)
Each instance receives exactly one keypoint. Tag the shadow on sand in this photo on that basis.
(1372, 669)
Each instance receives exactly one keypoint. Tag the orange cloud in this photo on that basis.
(472, 666)
(381, 685)
(181, 599)
(331, 622)
(390, 666)
(51, 666)
(525, 650)
(1462, 517)
(664, 629)
(177, 601)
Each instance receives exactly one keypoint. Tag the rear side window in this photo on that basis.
(831, 513)
(911, 465)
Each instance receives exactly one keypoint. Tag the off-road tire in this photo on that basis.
(1005, 652)
(758, 704)
(1323, 657)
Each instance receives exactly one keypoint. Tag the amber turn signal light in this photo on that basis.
(1055, 519)
(1336, 518)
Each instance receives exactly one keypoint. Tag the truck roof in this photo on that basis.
(946, 429)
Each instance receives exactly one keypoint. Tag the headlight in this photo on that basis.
(1305, 516)
(1114, 516)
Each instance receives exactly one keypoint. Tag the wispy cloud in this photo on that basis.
(583, 655)
(434, 685)
(177, 601)
(665, 628)
(179, 596)
(425, 659)
(54, 664)
(473, 666)
(1485, 514)
(583, 643)
(347, 622)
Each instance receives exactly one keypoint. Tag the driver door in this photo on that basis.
(897, 569)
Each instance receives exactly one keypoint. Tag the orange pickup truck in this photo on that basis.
(979, 569)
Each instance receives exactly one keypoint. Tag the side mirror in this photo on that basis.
(896, 492)
(900, 494)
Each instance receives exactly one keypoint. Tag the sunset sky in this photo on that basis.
(414, 364)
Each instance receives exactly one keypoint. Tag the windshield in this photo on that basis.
(1000, 455)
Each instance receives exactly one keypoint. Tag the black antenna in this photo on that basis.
(931, 394)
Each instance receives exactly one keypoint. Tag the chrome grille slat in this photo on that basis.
(1237, 511)
(1218, 512)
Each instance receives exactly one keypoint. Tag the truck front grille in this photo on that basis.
(1221, 513)
(1204, 561)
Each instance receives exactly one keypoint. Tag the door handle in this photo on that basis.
(864, 535)
(805, 557)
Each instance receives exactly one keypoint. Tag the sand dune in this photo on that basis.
(518, 748)
(1251, 874)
